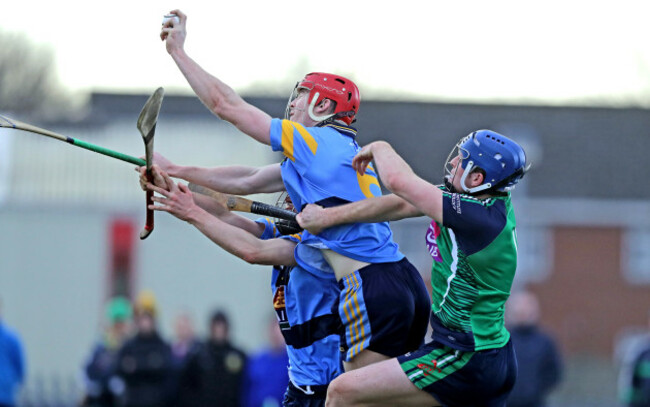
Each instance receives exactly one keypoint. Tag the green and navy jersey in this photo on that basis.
(475, 258)
(318, 169)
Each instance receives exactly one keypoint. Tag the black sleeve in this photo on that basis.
(475, 223)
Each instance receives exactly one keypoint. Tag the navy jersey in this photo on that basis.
(305, 306)
(318, 169)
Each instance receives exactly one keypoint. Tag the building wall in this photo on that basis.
(586, 301)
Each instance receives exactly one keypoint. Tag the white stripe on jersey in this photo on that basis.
(454, 266)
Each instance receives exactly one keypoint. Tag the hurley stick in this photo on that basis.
(5, 122)
(147, 126)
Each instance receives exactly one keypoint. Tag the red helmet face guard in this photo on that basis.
(338, 89)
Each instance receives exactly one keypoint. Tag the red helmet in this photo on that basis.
(334, 87)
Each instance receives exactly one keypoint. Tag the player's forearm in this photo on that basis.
(378, 209)
(240, 242)
(216, 208)
(399, 178)
(235, 179)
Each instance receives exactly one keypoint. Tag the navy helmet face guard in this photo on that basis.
(502, 161)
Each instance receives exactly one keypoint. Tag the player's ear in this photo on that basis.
(476, 178)
(326, 106)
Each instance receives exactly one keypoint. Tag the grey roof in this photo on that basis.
(576, 152)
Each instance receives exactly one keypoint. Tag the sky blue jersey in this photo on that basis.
(318, 169)
(303, 303)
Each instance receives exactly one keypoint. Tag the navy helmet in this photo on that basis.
(502, 161)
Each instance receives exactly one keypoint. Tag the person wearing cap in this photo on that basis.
(100, 366)
(144, 362)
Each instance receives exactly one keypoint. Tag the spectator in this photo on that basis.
(101, 365)
(185, 344)
(215, 373)
(144, 362)
(538, 359)
(12, 364)
(267, 377)
(185, 340)
(635, 373)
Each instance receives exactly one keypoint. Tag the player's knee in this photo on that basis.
(340, 392)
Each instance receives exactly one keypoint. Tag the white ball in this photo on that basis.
(172, 17)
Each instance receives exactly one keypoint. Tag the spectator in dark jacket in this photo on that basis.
(538, 358)
(100, 368)
(215, 373)
(144, 362)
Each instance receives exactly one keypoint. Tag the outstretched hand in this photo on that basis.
(176, 199)
(174, 33)
(312, 218)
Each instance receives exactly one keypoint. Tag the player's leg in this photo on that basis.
(364, 358)
(379, 384)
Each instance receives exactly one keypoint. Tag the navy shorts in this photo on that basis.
(455, 378)
(384, 307)
(307, 396)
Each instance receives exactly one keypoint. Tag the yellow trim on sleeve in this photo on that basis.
(287, 139)
(309, 139)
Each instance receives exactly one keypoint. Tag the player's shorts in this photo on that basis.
(456, 378)
(384, 307)
(308, 396)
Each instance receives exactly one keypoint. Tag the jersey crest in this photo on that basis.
(432, 234)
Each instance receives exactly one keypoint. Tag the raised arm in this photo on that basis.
(379, 209)
(220, 98)
(399, 178)
(178, 200)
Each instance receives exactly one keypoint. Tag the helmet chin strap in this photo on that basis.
(449, 185)
(311, 113)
